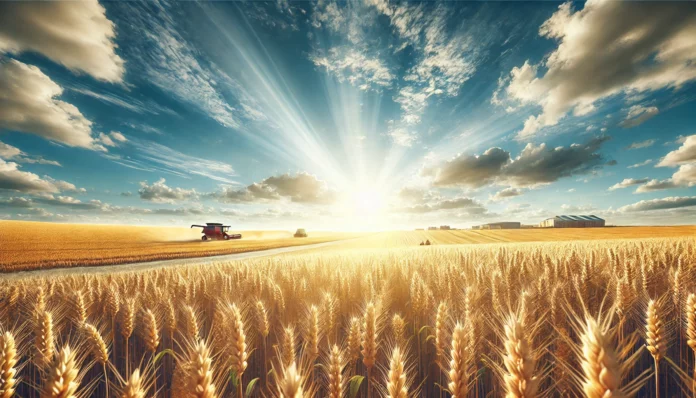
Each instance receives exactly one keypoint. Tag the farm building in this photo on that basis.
(444, 227)
(499, 225)
(572, 222)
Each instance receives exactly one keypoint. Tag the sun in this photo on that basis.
(368, 201)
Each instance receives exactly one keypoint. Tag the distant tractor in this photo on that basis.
(301, 233)
(214, 231)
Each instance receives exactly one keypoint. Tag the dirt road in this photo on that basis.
(56, 272)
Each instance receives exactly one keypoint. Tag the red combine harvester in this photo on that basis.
(214, 230)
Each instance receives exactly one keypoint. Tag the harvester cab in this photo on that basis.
(213, 231)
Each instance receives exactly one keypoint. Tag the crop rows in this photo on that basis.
(594, 319)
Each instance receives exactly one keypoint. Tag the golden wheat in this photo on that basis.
(450, 329)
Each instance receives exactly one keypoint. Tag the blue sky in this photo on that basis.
(350, 115)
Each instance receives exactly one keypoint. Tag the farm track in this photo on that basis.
(141, 266)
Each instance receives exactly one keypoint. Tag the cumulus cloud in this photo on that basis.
(672, 202)
(414, 195)
(686, 153)
(77, 35)
(604, 49)
(159, 192)
(638, 114)
(536, 165)
(627, 182)
(14, 202)
(14, 179)
(506, 194)
(642, 144)
(471, 170)
(28, 104)
(543, 165)
(468, 205)
(686, 175)
(657, 185)
(299, 188)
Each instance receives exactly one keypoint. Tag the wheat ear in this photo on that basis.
(654, 339)
(459, 370)
(396, 378)
(335, 372)
(133, 387)
(8, 363)
(600, 364)
(289, 345)
(202, 371)
(520, 381)
(61, 380)
(290, 386)
(44, 338)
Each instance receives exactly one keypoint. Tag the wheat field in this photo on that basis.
(611, 318)
(28, 245)
(35, 245)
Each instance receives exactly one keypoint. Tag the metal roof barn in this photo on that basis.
(571, 221)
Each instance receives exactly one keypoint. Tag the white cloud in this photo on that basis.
(171, 63)
(129, 103)
(642, 144)
(577, 208)
(627, 182)
(159, 192)
(111, 139)
(638, 114)
(686, 175)
(506, 193)
(401, 135)
(153, 156)
(672, 202)
(350, 64)
(607, 48)
(75, 34)
(299, 188)
(14, 179)
(641, 164)
(536, 165)
(8, 151)
(657, 185)
(683, 155)
(28, 104)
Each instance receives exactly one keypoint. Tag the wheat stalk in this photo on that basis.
(238, 347)
(655, 339)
